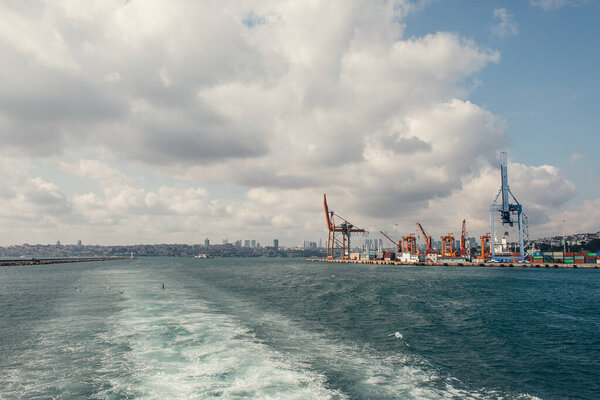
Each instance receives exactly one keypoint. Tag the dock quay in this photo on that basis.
(460, 264)
(43, 261)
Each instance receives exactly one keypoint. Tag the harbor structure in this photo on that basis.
(507, 210)
(344, 229)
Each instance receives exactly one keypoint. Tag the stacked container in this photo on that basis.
(569, 258)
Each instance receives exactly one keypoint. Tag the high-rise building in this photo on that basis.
(253, 243)
(246, 243)
(238, 243)
(206, 242)
(276, 244)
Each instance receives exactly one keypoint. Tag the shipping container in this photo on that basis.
(557, 254)
(579, 261)
(569, 261)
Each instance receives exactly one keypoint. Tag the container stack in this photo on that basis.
(558, 257)
(591, 258)
(569, 258)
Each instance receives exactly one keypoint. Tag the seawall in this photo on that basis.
(462, 264)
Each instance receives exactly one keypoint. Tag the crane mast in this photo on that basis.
(463, 239)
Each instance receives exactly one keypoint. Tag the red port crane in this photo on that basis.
(463, 239)
(410, 244)
(345, 229)
(486, 247)
(448, 246)
(427, 240)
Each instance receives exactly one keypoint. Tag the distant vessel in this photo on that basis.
(202, 255)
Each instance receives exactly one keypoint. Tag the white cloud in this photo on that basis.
(282, 99)
(505, 25)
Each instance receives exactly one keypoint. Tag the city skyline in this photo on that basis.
(171, 122)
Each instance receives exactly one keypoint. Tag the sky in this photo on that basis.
(126, 122)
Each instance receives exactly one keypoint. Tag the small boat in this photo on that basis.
(202, 255)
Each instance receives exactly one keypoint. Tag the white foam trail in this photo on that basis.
(181, 349)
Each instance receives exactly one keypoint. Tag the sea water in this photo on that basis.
(288, 329)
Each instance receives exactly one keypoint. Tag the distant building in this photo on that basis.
(238, 243)
(276, 244)
(246, 243)
(206, 242)
(58, 243)
(79, 243)
(253, 243)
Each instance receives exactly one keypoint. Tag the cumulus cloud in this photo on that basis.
(283, 100)
(504, 23)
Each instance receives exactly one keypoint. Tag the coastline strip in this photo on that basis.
(41, 261)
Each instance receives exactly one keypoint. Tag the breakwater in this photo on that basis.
(41, 261)
(461, 264)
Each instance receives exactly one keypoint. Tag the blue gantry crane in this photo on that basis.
(507, 211)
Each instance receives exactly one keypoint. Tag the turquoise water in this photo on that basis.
(288, 329)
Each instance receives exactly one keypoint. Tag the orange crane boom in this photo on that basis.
(427, 239)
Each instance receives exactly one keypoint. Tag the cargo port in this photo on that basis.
(505, 210)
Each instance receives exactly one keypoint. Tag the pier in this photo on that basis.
(43, 261)
(461, 264)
